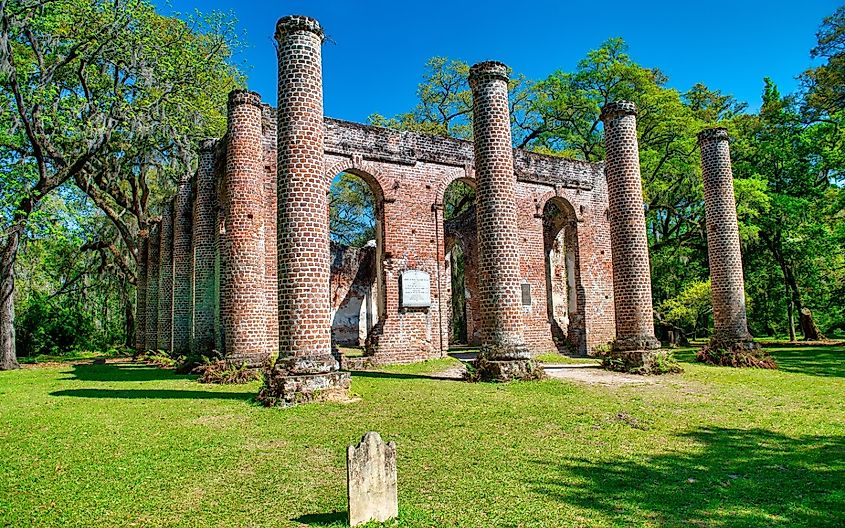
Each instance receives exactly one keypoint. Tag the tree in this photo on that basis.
(87, 86)
(352, 211)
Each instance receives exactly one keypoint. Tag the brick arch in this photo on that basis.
(365, 170)
(467, 176)
(553, 195)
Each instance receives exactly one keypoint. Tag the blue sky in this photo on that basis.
(378, 48)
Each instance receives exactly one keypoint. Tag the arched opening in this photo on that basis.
(560, 238)
(461, 251)
(356, 223)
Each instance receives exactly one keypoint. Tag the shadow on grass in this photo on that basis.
(153, 394)
(816, 361)
(400, 375)
(124, 372)
(334, 519)
(731, 477)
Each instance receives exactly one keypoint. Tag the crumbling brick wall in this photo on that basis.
(353, 286)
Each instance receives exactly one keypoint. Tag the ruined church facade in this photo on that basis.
(556, 254)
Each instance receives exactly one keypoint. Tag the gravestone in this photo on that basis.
(371, 480)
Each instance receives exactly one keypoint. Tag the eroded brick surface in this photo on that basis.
(153, 254)
(182, 268)
(165, 280)
(204, 241)
(723, 244)
(631, 271)
(502, 330)
(243, 301)
(141, 296)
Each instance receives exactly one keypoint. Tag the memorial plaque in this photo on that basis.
(526, 295)
(416, 289)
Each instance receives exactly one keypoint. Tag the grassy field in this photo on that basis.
(129, 445)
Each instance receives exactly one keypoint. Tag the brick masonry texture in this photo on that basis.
(205, 226)
(182, 268)
(409, 174)
(303, 224)
(141, 296)
(569, 234)
(723, 244)
(243, 286)
(631, 271)
(165, 280)
(153, 263)
(499, 278)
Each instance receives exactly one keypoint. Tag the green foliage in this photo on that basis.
(687, 309)
(352, 211)
(227, 373)
(44, 327)
(111, 97)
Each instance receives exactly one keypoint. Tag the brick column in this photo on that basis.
(243, 308)
(635, 342)
(153, 262)
(182, 268)
(271, 278)
(503, 353)
(165, 280)
(723, 247)
(306, 369)
(204, 241)
(141, 297)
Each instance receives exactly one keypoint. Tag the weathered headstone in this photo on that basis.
(371, 480)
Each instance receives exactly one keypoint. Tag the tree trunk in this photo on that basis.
(129, 328)
(805, 317)
(8, 252)
(791, 316)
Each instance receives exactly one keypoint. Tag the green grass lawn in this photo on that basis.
(129, 445)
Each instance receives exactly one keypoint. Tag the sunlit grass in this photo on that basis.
(130, 445)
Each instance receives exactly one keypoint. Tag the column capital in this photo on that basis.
(295, 23)
(208, 145)
(487, 71)
(713, 134)
(617, 108)
(240, 97)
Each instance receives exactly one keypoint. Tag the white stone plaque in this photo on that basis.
(416, 289)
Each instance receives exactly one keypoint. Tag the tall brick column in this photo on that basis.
(165, 280)
(306, 369)
(503, 353)
(205, 291)
(141, 297)
(182, 268)
(153, 262)
(635, 343)
(243, 307)
(271, 278)
(723, 247)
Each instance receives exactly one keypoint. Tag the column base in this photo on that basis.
(496, 363)
(652, 361)
(283, 389)
(732, 351)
